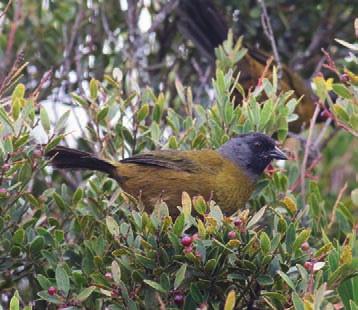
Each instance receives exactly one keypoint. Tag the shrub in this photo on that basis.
(92, 246)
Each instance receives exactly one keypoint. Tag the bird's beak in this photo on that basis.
(276, 153)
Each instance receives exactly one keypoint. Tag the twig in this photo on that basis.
(6, 9)
(339, 197)
(160, 301)
(12, 33)
(266, 24)
(307, 150)
(165, 11)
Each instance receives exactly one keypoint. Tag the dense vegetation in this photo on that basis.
(77, 241)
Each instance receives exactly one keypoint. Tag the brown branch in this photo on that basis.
(339, 198)
(266, 24)
(6, 8)
(160, 302)
(307, 150)
(161, 16)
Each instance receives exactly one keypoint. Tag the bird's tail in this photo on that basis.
(67, 158)
(202, 23)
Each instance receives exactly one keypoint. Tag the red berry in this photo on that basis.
(238, 222)
(108, 276)
(305, 246)
(179, 299)
(52, 290)
(231, 234)
(325, 114)
(114, 293)
(188, 249)
(308, 266)
(186, 240)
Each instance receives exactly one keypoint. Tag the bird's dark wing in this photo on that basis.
(164, 159)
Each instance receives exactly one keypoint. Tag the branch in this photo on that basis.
(165, 11)
(307, 150)
(339, 198)
(266, 24)
(6, 9)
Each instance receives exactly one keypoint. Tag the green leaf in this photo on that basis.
(142, 112)
(179, 225)
(342, 91)
(52, 299)
(265, 280)
(179, 276)
(286, 279)
(112, 226)
(19, 91)
(77, 196)
(265, 243)
(54, 142)
(93, 89)
(200, 205)
(15, 302)
(116, 272)
(62, 280)
(354, 196)
(85, 293)
(37, 244)
(59, 201)
(45, 120)
(257, 216)
(156, 286)
(62, 122)
(343, 272)
(297, 302)
(19, 236)
(43, 281)
(301, 238)
(4, 117)
(102, 114)
(354, 306)
(340, 111)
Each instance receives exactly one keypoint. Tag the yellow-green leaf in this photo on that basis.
(230, 300)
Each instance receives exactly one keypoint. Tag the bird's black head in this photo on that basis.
(252, 152)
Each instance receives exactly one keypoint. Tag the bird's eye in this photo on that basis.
(257, 145)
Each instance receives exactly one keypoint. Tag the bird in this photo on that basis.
(201, 22)
(226, 175)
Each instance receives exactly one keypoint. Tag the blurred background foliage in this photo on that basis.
(117, 78)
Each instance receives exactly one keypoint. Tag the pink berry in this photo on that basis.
(308, 266)
(3, 192)
(305, 246)
(52, 290)
(231, 234)
(186, 240)
(37, 153)
(344, 77)
(188, 249)
(195, 237)
(108, 276)
(6, 167)
(179, 299)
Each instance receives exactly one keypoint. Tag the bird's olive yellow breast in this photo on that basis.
(166, 174)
